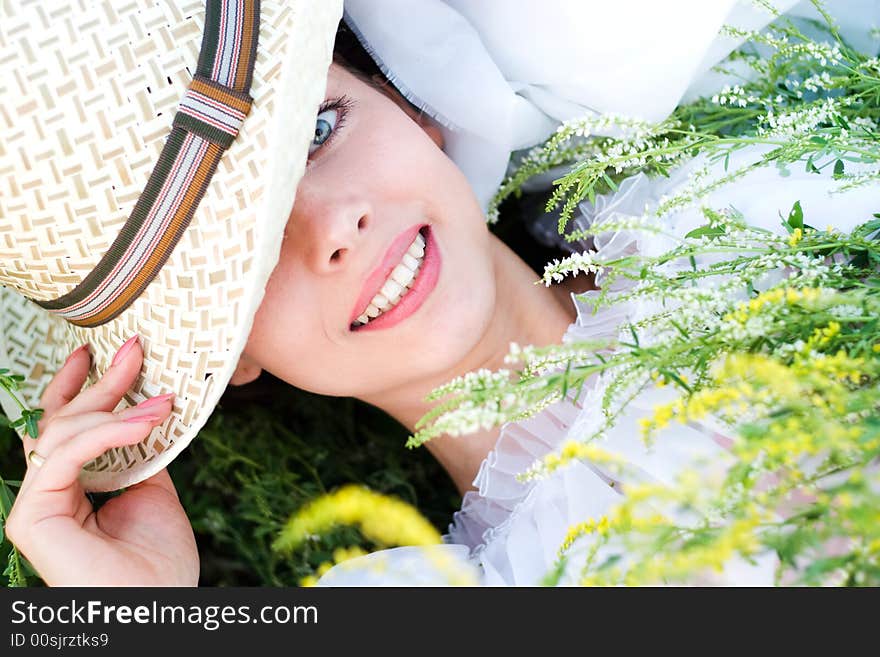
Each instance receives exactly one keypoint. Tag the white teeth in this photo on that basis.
(392, 290)
(403, 275)
(398, 282)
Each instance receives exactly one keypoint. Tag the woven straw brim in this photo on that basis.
(86, 102)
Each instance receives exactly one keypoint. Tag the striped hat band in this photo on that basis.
(206, 123)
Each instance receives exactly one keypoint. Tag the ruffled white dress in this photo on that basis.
(509, 532)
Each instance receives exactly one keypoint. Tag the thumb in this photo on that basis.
(161, 479)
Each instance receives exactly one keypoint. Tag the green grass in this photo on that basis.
(267, 450)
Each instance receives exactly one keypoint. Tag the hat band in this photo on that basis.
(207, 121)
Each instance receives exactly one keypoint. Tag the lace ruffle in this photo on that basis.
(485, 514)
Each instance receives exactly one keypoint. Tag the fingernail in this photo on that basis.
(143, 418)
(76, 351)
(154, 401)
(124, 349)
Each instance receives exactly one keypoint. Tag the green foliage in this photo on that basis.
(29, 417)
(267, 451)
(17, 570)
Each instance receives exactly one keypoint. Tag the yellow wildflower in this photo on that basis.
(575, 532)
(341, 554)
(382, 519)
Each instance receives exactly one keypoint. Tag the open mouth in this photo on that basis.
(405, 287)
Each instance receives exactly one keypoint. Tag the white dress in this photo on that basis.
(508, 532)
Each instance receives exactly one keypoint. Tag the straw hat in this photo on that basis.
(140, 191)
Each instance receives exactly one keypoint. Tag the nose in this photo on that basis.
(329, 231)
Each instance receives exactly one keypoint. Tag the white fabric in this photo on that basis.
(514, 529)
(500, 75)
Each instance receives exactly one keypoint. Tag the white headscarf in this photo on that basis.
(500, 75)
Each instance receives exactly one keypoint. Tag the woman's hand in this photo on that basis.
(141, 537)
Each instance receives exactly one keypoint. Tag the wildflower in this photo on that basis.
(574, 264)
(382, 519)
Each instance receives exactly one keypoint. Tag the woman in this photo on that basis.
(396, 286)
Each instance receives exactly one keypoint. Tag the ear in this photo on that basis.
(425, 122)
(246, 371)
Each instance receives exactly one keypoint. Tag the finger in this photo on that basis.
(62, 467)
(59, 429)
(63, 427)
(105, 394)
(66, 383)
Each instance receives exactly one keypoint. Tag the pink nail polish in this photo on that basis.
(154, 401)
(143, 418)
(75, 352)
(124, 349)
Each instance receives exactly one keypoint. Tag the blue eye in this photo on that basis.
(324, 126)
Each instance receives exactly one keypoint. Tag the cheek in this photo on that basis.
(468, 295)
(286, 338)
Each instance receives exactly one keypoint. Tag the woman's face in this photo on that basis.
(376, 179)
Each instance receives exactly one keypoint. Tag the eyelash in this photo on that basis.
(342, 105)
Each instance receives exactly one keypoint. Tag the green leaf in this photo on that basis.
(710, 231)
(795, 217)
(675, 377)
(838, 169)
(31, 423)
(565, 379)
(610, 561)
(609, 182)
(6, 499)
(634, 334)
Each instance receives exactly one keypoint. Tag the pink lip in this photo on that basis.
(425, 281)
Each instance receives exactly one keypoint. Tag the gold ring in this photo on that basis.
(36, 459)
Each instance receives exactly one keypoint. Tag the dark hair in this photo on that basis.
(350, 54)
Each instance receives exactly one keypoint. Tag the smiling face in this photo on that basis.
(377, 182)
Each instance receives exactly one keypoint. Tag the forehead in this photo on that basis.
(339, 77)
